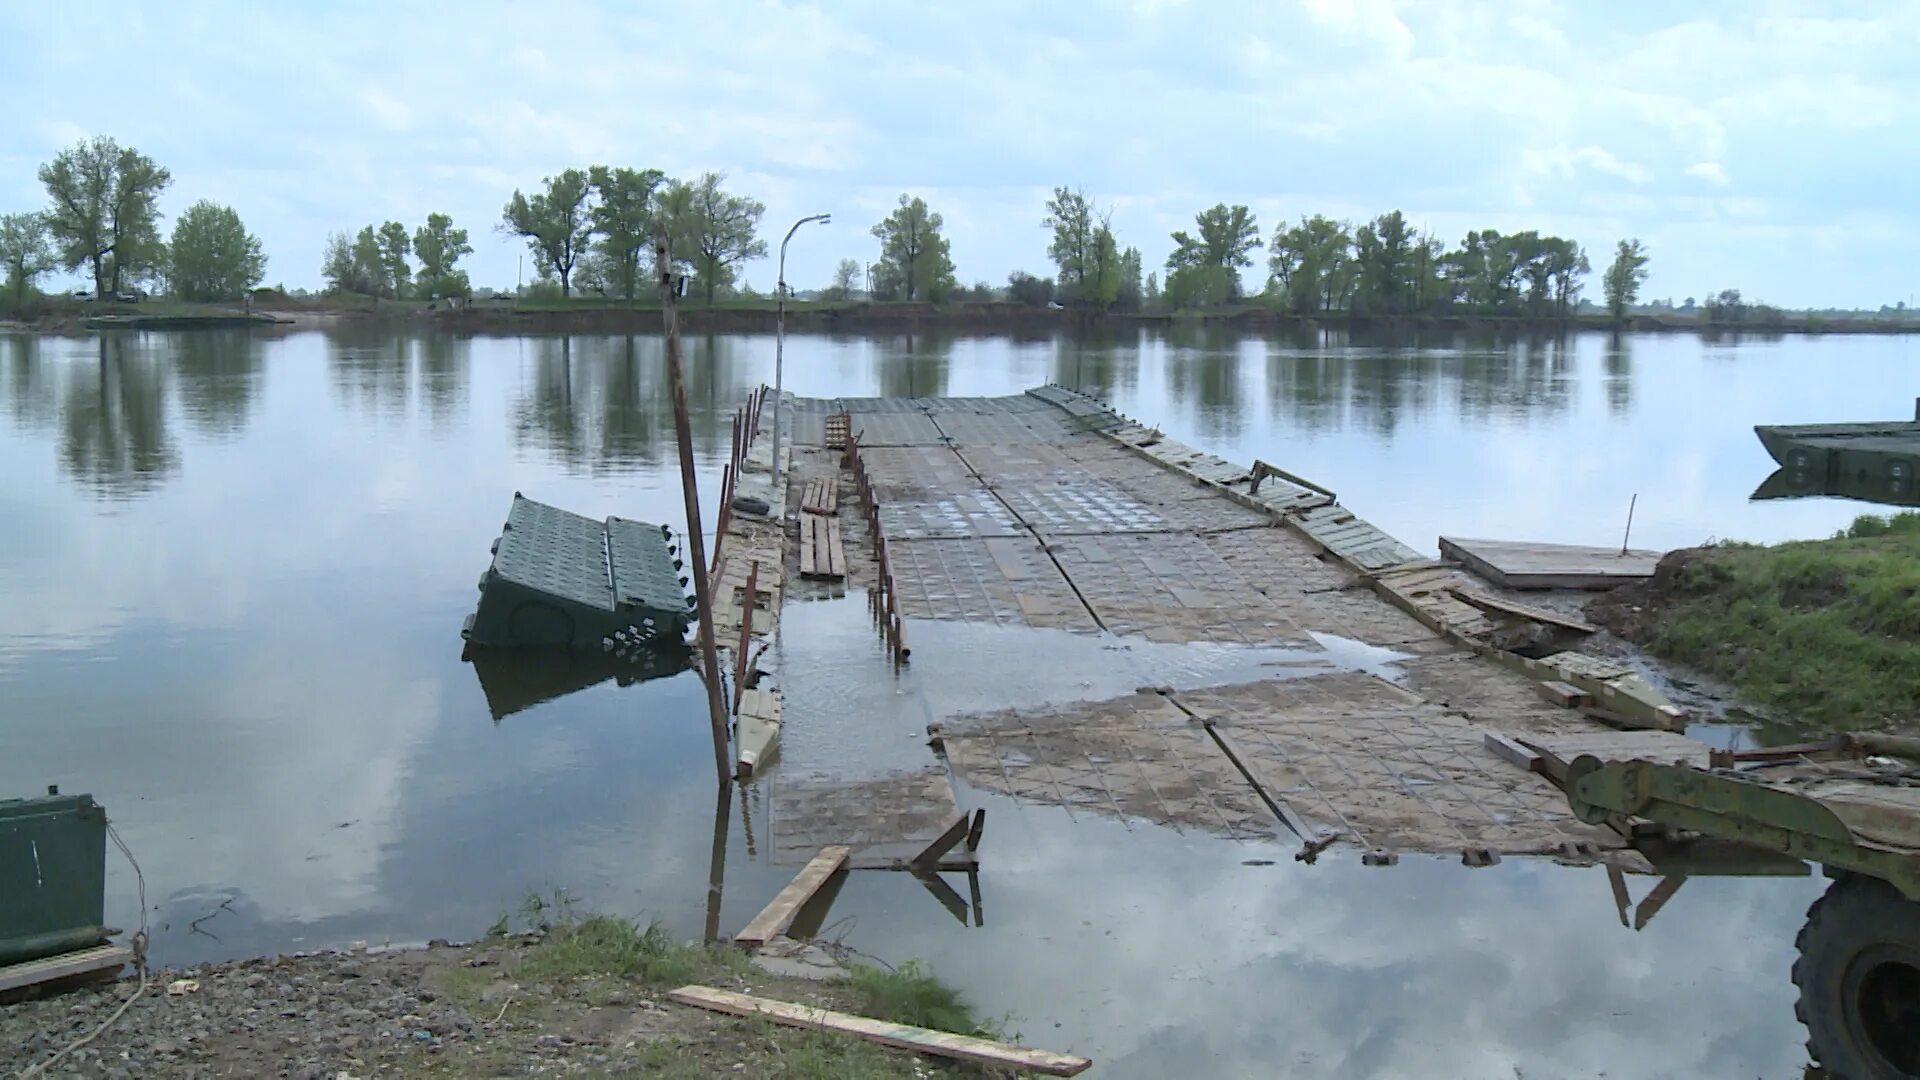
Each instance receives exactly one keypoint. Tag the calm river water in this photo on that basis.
(234, 569)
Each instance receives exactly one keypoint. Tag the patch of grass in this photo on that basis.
(821, 1055)
(1828, 630)
(605, 945)
(910, 994)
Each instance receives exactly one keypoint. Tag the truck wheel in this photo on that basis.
(1859, 979)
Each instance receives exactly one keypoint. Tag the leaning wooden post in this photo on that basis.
(747, 610)
(690, 493)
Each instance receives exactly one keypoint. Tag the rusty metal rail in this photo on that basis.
(883, 597)
(746, 422)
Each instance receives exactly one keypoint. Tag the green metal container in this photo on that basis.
(53, 876)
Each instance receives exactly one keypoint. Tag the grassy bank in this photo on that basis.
(1826, 631)
(567, 996)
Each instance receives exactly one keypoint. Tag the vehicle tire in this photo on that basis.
(1859, 978)
(752, 504)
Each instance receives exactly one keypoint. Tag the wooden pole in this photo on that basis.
(717, 862)
(690, 494)
(1635, 501)
(747, 611)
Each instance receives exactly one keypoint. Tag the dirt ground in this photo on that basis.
(482, 1010)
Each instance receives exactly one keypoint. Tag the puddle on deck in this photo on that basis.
(849, 714)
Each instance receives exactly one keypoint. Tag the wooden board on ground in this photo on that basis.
(822, 554)
(900, 1036)
(101, 958)
(820, 495)
(774, 919)
(1515, 564)
(1525, 611)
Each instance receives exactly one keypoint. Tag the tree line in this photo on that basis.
(1321, 266)
(592, 230)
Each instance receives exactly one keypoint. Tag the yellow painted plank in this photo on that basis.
(774, 919)
(900, 1036)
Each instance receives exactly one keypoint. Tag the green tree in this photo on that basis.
(557, 224)
(1727, 306)
(1383, 259)
(1310, 265)
(1024, 288)
(1072, 218)
(915, 260)
(1624, 277)
(26, 251)
(212, 256)
(395, 246)
(1227, 237)
(622, 216)
(846, 280)
(440, 247)
(1200, 287)
(1102, 285)
(1129, 295)
(370, 264)
(337, 264)
(1567, 264)
(105, 213)
(713, 232)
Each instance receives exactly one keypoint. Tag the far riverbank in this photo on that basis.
(597, 315)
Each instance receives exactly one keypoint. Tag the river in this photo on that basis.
(234, 570)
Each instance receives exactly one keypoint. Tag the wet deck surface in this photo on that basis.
(1141, 633)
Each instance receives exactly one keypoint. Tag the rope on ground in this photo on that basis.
(139, 960)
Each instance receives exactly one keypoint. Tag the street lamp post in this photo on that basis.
(779, 355)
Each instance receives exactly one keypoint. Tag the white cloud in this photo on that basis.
(1710, 171)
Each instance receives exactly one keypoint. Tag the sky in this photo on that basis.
(1764, 146)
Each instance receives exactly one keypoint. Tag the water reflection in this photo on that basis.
(219, 373)
(113, 420)
(1104, 365)
(368, 370)
(1617, 360)
(31, 401)
(913, 365)
(602, 403)
(444, 361)
(514, 680)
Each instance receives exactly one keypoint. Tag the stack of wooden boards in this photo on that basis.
(821, 552)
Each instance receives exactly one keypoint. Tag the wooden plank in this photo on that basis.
(84, 962)
(1565, 695)
(1524, 565)
(1525, 611)
(899, 1036)
(774, 919)
(836, 552)
(807, 553)
(1506, 748)
(942, 844)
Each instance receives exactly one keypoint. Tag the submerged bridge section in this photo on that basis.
(1370, 725)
